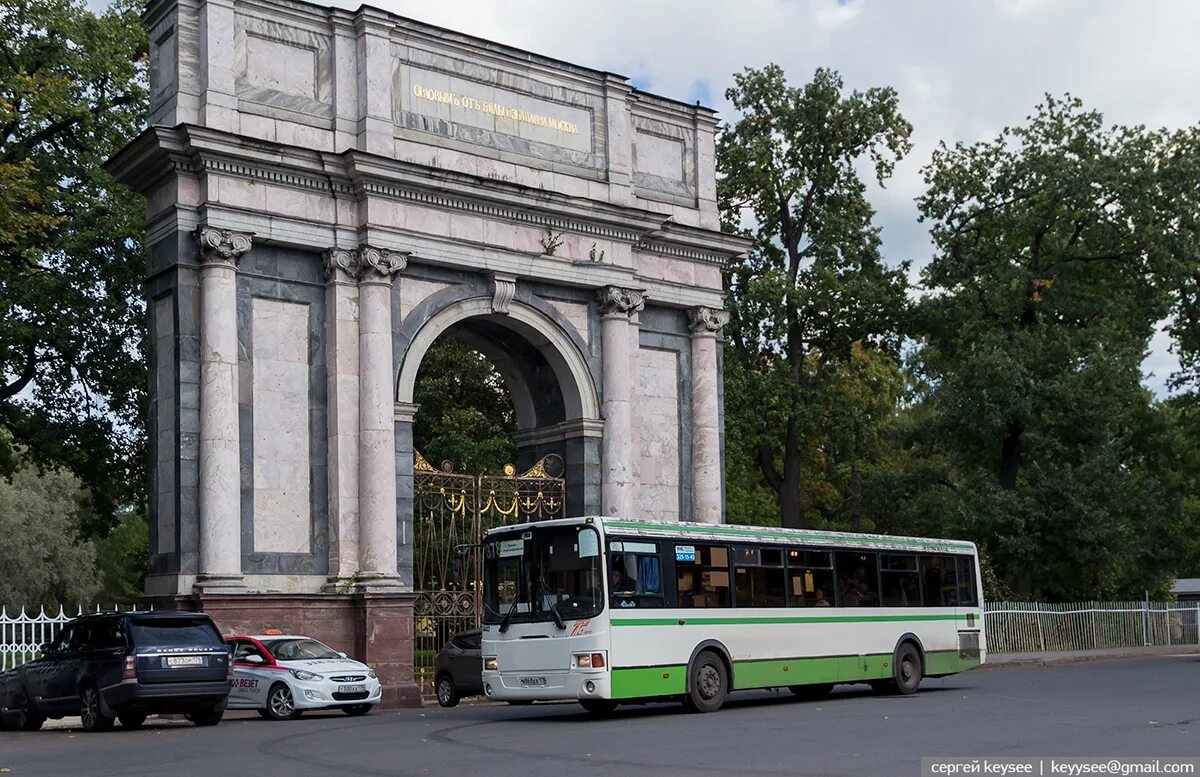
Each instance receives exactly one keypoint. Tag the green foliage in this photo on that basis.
(1059, 245)
(45, 559)
(72, 375)
(466, 412)
(816, 314)
(123, 559)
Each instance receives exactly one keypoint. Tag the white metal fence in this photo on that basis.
(22, 635)
(1028, 627)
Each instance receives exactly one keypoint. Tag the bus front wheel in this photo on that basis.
(708, 683)
(599, 706)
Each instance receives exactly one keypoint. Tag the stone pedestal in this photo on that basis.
(374, 628)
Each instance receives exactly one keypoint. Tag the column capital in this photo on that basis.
(707, 321)
(380, 264)
(222, 246)
(616, 301)
(341, 264)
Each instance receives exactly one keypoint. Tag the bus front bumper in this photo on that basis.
(555, 685)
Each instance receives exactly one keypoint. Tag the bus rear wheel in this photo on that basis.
(708, 683)
(907, 671)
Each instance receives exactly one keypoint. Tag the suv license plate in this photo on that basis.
(533, 682)
(352, 689)
(177, 661)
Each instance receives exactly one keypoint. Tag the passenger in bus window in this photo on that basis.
(623, 587)
(819, 599)
(617, 577)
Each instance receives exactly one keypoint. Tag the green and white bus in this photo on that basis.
(607, 611)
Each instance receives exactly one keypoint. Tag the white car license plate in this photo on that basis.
(533, 682)
(352, 688)
(178, 661)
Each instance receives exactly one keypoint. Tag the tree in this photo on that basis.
(123, 559)
(466, 413)
(1058, 245)
(815, 291)
(45, 560)
(72, 374)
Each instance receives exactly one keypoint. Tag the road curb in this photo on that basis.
(1003, 660)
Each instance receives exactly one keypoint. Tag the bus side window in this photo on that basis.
(810, 576)
(937, 574)
(858, 579)
(702, 575)
(900, 581)
(760, 577)
(635, 574)
(966, 581)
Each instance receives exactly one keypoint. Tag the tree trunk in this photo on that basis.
(856, 499)
(791, 512)
(1010, 455)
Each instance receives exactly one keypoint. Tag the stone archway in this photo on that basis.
(554, 406)
(555, 398)
(539, 330)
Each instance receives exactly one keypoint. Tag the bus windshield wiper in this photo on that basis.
(507, 619)
(558, 619)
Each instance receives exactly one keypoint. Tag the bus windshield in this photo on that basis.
(547, 573)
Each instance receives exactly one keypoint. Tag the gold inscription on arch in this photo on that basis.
(495, 109)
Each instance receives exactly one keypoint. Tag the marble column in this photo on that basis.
(376, 422)
(219, 451)
(341, 343)
(706, 324)
(618, 494)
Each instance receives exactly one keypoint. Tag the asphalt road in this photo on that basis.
(1146, 707)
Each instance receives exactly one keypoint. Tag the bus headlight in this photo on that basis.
(587, 660)
(490, 664)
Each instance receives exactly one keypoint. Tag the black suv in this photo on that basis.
(122, 666)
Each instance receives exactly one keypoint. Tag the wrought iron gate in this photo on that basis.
(451, 513)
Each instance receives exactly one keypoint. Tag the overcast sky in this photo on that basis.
(963, 69)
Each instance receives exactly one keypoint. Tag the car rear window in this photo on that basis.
(175, 631)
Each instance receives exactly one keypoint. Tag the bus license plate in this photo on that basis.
(177, 661)
(533, 682)
(352, 688)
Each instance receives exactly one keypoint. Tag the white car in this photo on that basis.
(281, 675)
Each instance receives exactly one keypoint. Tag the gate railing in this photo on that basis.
(1029, 627)
(452, 511)
(22, 635)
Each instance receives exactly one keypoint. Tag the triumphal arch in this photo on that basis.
(331, 191)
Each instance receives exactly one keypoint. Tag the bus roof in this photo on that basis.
(639, 527)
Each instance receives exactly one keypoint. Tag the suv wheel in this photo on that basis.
(90, 714)
(207, 716)
(280, 704)
(25, 717)
(131, 719)
(447, 691)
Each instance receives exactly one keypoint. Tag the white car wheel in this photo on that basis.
(280, 703)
